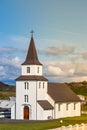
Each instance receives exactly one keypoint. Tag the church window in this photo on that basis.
(74, 106)
(43, 84)
(67, 105)
(26, 85)
(28, 69)
(37, 69)
(59, 107)
(25, 98)
(39, 84)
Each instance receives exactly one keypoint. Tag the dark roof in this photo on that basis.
(24, 77)
(45, 104)
(60, 92)
(32, 58)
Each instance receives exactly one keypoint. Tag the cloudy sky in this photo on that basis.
(60, 36)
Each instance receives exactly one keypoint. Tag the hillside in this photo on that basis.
(6, 90)
(79, 88)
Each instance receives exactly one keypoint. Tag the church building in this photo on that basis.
(36, 98)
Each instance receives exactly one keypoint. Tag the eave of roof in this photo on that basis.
(60, 92)
(33, 77)
(45, 104)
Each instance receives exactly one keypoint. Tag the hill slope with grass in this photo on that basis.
(6, 91)
(80, 88)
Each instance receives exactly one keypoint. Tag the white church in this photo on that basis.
(36, 98)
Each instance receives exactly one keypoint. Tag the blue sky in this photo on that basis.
(60, 36)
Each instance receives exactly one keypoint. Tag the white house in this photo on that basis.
(36, 98)
(7, 108)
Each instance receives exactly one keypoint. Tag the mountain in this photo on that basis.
(10, 82)
(3, 84)
(6, 88)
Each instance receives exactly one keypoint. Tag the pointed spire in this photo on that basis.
(32, 58)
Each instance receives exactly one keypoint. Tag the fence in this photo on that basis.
(75, 127)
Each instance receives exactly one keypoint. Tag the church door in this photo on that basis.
(26, 112)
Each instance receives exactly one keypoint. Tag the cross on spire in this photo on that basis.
(32, 32)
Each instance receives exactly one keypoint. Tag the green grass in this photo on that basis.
(84, 108)
(79, 88)
(6, 95)
(45, 125)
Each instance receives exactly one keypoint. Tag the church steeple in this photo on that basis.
(32, 58)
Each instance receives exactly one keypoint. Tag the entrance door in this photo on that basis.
(26, 112)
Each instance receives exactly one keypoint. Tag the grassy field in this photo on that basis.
(6, 95)
(45, 125)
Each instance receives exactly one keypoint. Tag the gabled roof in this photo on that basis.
(32, 58)
(60, 92)
(27, 77)
(45, 104)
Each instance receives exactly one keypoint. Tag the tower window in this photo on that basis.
(26, 85)
(25, 98)
(39, 84)
(28, 69)
(43, 84)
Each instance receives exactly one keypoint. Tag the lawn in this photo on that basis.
(45, 125)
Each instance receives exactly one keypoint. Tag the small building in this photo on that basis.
(7, 108)
(36, 98)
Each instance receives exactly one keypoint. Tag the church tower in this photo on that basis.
(28, 85)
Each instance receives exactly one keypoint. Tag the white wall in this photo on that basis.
(41, 90)
(33, 70)
(13, 111)
(20, 92)
(43, 114)
(67, 113)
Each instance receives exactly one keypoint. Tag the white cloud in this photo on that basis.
(2, 71)
(14, 61)
(54, 70)
(10, 68)
(65, 71)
